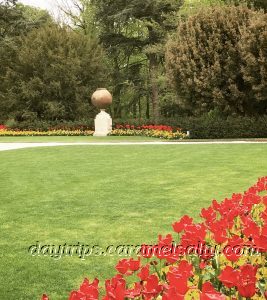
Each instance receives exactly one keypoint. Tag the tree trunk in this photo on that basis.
(153, 76)
(116, 101)
(117, 90)
(147, 106)
(139, 108)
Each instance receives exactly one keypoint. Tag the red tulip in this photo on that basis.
(260, 242)
(87, 291)
(171, 293)
(90, 289)
(135, 292)
(144, 273)
(115, 288)
(152, 288)
(165, 246)
(180, 225)
(247, 281)
(177, 281)
(234, 249)
(249, 199)
(194, 234)
(250, 227)
(76, 295)
(209, 293)
(229, 277)
(134, 265)
(122, 266)
(167, 240)
(209, 214)
(218, 228)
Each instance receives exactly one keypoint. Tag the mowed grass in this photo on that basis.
(102, 195)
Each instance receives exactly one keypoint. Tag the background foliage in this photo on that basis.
(214, 53)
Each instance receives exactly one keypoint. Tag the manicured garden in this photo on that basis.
(105, 196)
(133, 146)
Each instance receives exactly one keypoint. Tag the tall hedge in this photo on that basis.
(217, 61)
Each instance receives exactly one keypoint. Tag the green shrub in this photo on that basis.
(217, 60)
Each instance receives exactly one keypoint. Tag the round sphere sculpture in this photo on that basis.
(101, 98)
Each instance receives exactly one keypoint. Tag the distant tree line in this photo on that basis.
(159, 58)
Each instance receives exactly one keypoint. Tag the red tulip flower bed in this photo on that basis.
(222, 257)
(153, 131)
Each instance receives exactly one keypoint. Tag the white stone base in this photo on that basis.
(103, 124)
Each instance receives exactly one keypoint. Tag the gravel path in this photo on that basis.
(14, 146)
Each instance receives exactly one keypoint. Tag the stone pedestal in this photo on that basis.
(103, 124)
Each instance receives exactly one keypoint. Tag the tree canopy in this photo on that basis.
(214, 52)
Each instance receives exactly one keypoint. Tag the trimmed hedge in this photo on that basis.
(215, 128)
(207, 127)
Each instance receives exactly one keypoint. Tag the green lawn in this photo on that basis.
(105, 195)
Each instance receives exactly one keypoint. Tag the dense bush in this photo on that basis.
(54, 73)
(218, 60)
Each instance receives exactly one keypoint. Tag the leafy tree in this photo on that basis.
(80, 16)
(55, 74)
(136, 31)
(11, 26)
(10, 19)
(206, 66)
(126, 63)
(258, 4)
(34, 17)
(16, 20)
